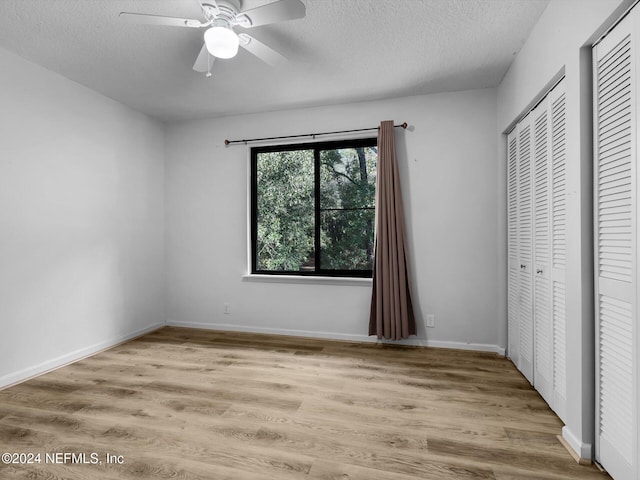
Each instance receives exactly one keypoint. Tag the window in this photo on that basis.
(313, 208)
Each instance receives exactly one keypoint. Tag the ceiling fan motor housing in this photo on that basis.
(224, 13)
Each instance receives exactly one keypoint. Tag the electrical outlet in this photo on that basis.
(227, 309)
(431, 320)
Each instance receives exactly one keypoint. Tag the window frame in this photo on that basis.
(317, 147)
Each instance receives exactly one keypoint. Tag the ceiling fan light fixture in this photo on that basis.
(221, 42)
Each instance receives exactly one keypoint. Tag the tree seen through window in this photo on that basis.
(313, 208)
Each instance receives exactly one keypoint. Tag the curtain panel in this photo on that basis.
(392, 314)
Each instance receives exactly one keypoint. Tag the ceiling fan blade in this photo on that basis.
(142, 18)
(260, 50)
(204, 61)
(278, 11)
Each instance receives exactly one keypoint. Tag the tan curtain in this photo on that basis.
(391, 308)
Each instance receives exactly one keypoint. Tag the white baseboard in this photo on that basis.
(62, 360)
(583, 450)
(422, 342)
(35, 370)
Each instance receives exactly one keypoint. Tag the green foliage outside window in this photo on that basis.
(285, 210)
(288, 219)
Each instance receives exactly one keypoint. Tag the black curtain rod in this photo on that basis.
(231, 142)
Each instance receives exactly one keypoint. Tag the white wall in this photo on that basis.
(81, 220)
(560, 42)
(449, 169)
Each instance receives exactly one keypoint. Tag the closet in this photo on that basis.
(615, 64)
(536, 245)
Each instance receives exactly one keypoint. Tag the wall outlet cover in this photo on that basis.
(431, 321)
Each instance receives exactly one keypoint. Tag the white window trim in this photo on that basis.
(308, 279)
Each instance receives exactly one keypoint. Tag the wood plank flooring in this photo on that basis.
(202, 405)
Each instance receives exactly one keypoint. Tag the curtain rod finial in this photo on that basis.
(404, 125)
(226, 142)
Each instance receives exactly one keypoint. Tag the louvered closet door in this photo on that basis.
(537, 218)
(513, 295)
(542, 321)
(615, 172)
(558, 243)
(525, 247)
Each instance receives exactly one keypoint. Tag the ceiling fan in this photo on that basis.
(221, 17)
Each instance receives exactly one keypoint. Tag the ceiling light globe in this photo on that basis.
(221, 42)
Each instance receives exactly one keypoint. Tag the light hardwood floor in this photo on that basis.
(195, 404)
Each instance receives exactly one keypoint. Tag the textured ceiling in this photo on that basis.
(342, 51)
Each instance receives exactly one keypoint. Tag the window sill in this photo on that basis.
(301, 280)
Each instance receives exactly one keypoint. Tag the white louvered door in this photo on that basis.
(616, 289)
(536, 244)
(558, 244)
(525, 247)
(542, 320)
(513, 294)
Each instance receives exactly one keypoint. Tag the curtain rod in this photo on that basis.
(314, 135)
